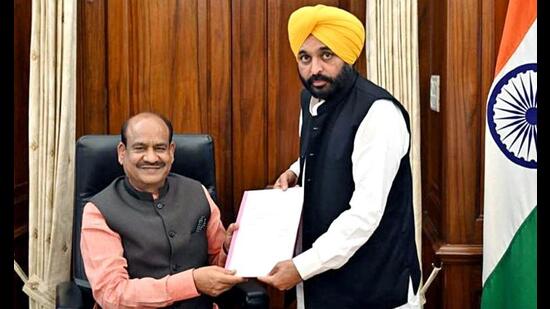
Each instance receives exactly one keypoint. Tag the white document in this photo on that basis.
(268, 224)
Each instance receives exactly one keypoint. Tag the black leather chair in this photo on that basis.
(96, 166)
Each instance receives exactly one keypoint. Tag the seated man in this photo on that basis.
(148, 238)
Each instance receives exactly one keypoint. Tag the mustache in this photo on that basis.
(151, 164)
(319, 77)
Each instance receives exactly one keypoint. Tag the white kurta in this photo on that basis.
(381, 142)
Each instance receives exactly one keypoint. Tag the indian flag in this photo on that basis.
(510, 213)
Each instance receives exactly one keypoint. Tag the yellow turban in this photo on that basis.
(338, 29)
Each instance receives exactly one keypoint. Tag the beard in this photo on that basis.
(333, 84)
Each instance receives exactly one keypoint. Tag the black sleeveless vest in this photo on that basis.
(160, 237)
(377, 275)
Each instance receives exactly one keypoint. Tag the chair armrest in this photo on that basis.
(246, 295)
(68, 295)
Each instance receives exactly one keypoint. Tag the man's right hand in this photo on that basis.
(286, 180)
(214, 280)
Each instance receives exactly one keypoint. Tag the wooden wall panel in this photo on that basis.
(249, 94)
(431, 21)
(21, 39)
(22, 11)
(215, 70)
(92, 101)
(465, 282)
(431, 63)
(461, 112)
(118, 89)
(161, 71)
(21, 50)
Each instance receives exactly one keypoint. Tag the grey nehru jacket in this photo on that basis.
(163, 236)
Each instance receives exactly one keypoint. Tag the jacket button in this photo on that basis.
(174, 267)
(315, 128)
(308, 180)
(311, 154)
(160, 205)
(172, 234)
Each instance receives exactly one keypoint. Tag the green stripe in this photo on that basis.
(513, 282)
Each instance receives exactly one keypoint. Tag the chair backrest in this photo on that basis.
(96, 166)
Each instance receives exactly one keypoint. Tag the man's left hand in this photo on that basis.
(283, 276)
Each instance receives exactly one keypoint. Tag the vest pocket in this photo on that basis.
(196, 249)
(198, 240)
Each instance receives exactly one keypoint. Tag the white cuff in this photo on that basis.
(295, 167)
(308, 264)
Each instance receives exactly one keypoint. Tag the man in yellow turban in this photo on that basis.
(356, 245)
